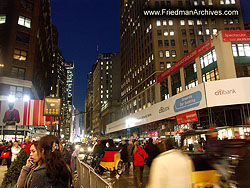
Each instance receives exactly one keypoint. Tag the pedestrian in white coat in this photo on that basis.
(15, 151)
(171, 169)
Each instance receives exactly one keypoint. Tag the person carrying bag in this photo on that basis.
(139, 161)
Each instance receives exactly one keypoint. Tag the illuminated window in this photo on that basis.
(24, 21)
(171, 32)
(182, 22)
(215, 31)
(173, 53)
(210, 2)
(167, 53)
(164, 22)
(222, 2)
(161, 53)
(170, 22)
(168, 65)
(190, 22)
(158, 23)
(20, 55)
(207, 31)
(165, 32)
(2, 19)
(199, 22)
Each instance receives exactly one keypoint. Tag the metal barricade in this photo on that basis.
(88, 178)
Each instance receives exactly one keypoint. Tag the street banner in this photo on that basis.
(205, 46)
(29, 113)
(236, 35)
(187, 117)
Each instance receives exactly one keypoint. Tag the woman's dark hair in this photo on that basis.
(56, 167)
(35, 143)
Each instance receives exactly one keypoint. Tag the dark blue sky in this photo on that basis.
(82, 24)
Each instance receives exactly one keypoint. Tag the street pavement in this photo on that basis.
(128, 178)
(3, 170)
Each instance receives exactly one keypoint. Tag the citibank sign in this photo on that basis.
(163, 109)
(225, 92)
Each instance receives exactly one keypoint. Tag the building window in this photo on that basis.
(211, 75)
(20, 55)
(199, 22)
(22, 37)
(159, 33)
(215, 31)
(170, 22)
(171, 32)
(179, 3)
(17, 73)
(24, 21)
(185, 43)
(158, 23)
(161, 53)
(159, 42)
(185, 52)
(191, 31)
(28, 6)
(190, 22)
(210, 2)
(166, 43)
(173, 53)
(213, 21)
(167, 53)
(172, 42)
(208, 59)
(241, 50)
(168, 65)
(164, 22)
(182, 22)
(161, 65)
(183, 32)
(207, 31)
(193, 42)
(2, 19)
(165, 32)
(16, 91)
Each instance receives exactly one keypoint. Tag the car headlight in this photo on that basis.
(89, 149)
(82, 150)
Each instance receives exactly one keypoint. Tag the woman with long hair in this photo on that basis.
(53, 171)
(33, 162)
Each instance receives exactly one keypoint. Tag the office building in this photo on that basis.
(150, 45)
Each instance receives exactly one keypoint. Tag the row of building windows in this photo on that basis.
(241, 50)
(23, 21)
(167, 53)
(208, 59)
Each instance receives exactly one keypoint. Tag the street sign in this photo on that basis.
(52, 106)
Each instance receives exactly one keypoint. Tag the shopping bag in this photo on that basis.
(5, 154)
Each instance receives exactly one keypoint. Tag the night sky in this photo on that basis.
(84, 24)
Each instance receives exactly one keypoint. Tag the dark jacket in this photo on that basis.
(98, 150)
(152, 151)
(39, 179)
(124, 152)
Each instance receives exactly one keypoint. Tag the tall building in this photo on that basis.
(25, 49)
(106, 90)
(59, 82)
(150, 45)
(88, 106)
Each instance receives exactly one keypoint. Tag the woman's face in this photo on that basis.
(34, 154)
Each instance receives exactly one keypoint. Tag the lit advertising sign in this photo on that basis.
(52, 106)
(187, 117)
(236, 35)
(205, 46)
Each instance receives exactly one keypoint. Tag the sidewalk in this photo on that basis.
(3, 170)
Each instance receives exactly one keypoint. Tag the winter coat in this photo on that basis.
(171, 169)
(152, 151)
(98, 150)
(161, 146)
(139, 159)
(124, 152)
(25, 176)
(40, 179)
(26, 147)
(15, 151)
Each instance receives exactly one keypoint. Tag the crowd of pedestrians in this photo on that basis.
(50, 163)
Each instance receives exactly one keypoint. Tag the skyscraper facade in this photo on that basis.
(150, 45)
(25, 49)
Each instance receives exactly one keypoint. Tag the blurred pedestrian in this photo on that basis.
(243, 169)
(7, 154)
(3, 146)
(124, 152)
(26, 145)
(171, 169)
(152, 151)
(53, 170)
(15, 150)
(130, 152)
(74, 157)
(66, 154)
(32, 164)
(139, 161)
(161, 145)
